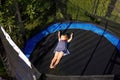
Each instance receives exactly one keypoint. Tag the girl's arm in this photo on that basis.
(71, 37)
(59, 35)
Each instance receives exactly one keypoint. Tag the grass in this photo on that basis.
(102, 7)
(78, 8)
(116, 13)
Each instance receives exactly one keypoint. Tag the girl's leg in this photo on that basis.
(60, 55)
(54, 60)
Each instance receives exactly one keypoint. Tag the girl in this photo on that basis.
(61, 49)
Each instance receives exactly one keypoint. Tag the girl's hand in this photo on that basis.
(59, 35)
(58, 32)
(71, 34)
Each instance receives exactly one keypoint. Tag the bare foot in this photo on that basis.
(52, 67)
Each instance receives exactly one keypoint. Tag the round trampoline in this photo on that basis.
(94, 50)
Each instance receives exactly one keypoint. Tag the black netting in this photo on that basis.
(98, 11)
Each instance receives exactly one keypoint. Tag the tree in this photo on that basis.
(21, 25)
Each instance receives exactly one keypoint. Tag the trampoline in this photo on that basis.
(94, 50)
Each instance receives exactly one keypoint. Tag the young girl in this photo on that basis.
(61, 49)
